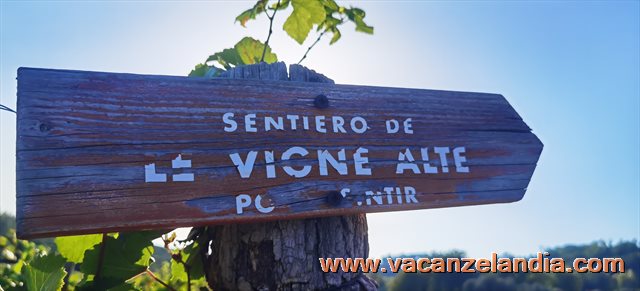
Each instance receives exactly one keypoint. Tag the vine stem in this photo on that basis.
(152, 275)
(187, 270)
(101, 255)
(311, 46)
(266, 43)
(317, 40)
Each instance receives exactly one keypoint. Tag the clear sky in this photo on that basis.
(571, 69)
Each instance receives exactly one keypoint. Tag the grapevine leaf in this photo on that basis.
(245, 16)
(305, 14)
(72, 248)
(89, 283)
(357, 16)
(329, 23)
(251, 13)
(44, 273)
(227, 58)
(191, 257)
(336, 36)
(124, 287)
(123, 258)
(283, 5)
(178, 272)
(363, 27)
(199, 71)
(331, 5)
(247, 51)
(17, 267)
(250, 51)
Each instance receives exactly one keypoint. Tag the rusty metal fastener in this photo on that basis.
(44, 127)
(334, 198)
(321, 101)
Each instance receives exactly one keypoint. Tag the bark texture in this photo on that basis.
(283, 255)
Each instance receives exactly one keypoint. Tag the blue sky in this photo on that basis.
(571, 69)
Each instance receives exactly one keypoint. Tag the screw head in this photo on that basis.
(334, 198)
(321, 101)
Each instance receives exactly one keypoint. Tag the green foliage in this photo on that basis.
(14, 254)
(326, 15)
(251, 13)
(227, 57)
(115, 260)
(44, 273)
(187, 264)
(163, 272)
(200, 70)
(335, 16)
(72, 248)
(305, 15)
(357, 16)
(111, 262)
(247, 51)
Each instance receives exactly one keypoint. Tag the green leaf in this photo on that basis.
(283, 5)
(44, 273)
(250, 51)
(251, 13)
(199, 71)
(72, 248)
(178, 272)
(192, 258)
(357, 16)
(336, 36)
(331, 5)
(363, 27)
(17, 267)
(305, 14)
(124, 287)
(89, 283)
(227, 58)
(247, 51)
(123, 258)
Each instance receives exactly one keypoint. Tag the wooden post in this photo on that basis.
(283, 255)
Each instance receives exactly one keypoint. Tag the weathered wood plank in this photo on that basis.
(85, 140)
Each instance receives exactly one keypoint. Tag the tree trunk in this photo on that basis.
(283, 255)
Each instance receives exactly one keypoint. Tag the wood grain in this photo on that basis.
(85, 137)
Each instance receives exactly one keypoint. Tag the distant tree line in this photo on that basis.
(629, 280)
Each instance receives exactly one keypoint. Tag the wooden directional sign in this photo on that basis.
(100, 152)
